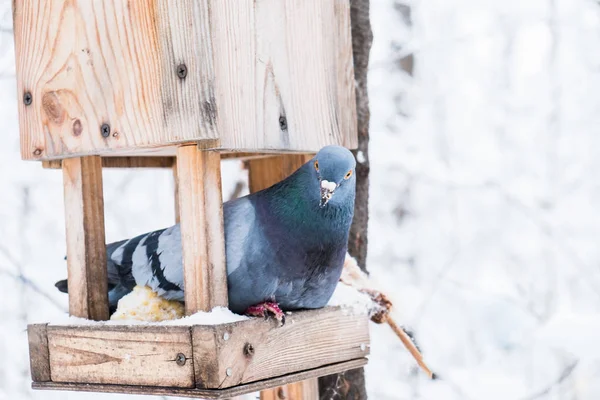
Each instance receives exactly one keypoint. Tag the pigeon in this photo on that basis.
(285, 245)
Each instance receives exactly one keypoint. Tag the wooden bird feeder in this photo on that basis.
(182, 84)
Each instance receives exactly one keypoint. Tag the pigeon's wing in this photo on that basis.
(153, 259)
(248, 256)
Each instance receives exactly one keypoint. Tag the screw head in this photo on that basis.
(226, 336)
(229, 371)
(283, 123)
(180, 359)
(182, 71)
(105, 130)
(27, 98)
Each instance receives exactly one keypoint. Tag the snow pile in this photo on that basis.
(351, 300)
(218, 315)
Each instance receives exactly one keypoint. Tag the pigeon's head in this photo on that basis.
(334, 166)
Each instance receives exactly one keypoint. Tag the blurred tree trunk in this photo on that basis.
(350, 385)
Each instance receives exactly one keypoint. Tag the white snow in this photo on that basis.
(350, 299)
(218, 315)
(325, 184)
(360, 157)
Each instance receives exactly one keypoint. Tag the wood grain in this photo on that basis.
(285, 80)
(38, 352)
(86, 248)
(122, 355)
(255, 349)
(304, 390)
(123, 162)
(201, 214)
(260, 75)
(219, 394)
(267, 171)
(89, 63)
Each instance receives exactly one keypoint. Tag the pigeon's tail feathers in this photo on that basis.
(62, 286)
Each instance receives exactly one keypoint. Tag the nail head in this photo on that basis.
(229, 372)
(226, 336)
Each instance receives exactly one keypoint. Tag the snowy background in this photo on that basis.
(484, 142)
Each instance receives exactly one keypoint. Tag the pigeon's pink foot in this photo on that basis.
(266, 308)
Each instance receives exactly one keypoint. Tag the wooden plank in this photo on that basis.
(115, 62)
(265, 172)
(155, 356)
(255, 349)
(86, 248)
(304, 390)
(201, 213)
(220, 394)
(176, 192)
(38, 352)
(265, 97)
(123, 162)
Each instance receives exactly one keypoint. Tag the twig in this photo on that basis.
(410, 346)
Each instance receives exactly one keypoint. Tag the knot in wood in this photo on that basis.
(105, 130)
(180, 359)
(283, 123)
(182, 71)
(281, 394)
(248, 350)
(27, 98)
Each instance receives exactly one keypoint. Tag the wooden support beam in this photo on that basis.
(176, 191)
(304, 390)
(86, 247)
(221, 394)
(263, 173)
(123, 162)
(201, 212)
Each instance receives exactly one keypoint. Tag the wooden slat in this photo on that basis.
(265, 172)
(86, 248)
(265, 97)
(123, 162)
(262, 174)
(256, 349)
(121, 70)
(38, 352)
(122, 355)
(201, 213)
(220, 394)
(304, 390)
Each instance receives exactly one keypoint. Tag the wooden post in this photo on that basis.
(201, 213)
(86, 247)
(263, 173)
(176, 191)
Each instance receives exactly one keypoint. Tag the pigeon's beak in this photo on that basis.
(327, 189)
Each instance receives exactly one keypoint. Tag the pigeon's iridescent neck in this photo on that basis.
(295, 202)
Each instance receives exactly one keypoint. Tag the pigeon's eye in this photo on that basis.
(317, 165)
(348, 174)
